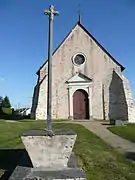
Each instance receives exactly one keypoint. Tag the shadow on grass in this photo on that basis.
(106, 123)
(10, 158)
(13, 117)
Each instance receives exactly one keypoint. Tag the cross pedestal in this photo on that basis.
(49, 156)
(46, 151)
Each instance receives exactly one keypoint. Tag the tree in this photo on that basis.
(6, 102)
(1, 100)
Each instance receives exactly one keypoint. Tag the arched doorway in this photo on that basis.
(80, 105)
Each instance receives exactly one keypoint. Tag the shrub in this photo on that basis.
(6, 102)
(7, 110)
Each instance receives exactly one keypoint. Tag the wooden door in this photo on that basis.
(80, 105)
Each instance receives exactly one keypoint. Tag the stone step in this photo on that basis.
(26, 173)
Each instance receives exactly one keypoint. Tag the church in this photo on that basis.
(87, 82)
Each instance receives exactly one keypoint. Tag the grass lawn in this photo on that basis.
(127, 131)
(99, 160)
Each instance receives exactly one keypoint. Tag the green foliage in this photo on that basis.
(1, 112)
(7, 110)
(6, 102)
(1, 100)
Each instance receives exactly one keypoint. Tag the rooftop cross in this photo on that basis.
(51, 13)
(79, 14)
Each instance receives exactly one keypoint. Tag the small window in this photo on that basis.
(79, 59)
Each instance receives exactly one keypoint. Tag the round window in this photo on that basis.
(79, 59)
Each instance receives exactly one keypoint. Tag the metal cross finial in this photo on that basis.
(79, 14)
(51, 13)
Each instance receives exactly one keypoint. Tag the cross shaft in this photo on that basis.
(51, 13)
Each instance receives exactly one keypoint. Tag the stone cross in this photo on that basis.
(51, 13)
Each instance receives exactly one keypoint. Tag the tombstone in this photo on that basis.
(117, 122)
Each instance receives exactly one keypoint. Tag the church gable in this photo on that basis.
(74, 34)
(103, 49)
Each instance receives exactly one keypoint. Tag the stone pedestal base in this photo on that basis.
(46, 151)
(50, 157)
(23, 173)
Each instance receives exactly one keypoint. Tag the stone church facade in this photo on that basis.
(87, 82)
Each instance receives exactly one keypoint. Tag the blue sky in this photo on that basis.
(24, 35)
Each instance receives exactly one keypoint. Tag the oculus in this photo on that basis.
(79, 59)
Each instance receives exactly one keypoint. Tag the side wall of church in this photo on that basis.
(129, 100)
(41, 109)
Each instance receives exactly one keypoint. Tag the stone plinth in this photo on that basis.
(23, 173)
(46, 151)
(117, 122)
(52, 157)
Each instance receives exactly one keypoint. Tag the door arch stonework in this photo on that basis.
(72, 87)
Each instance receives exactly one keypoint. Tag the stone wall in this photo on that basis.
(97, 104)
(99, 67)
(129, 99)
(118, 99)
(39, 107)
(118, 108)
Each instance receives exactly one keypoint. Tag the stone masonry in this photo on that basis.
(99, 66)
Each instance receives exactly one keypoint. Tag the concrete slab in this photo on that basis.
(23, 173)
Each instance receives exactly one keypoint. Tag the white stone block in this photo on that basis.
(46, 151)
